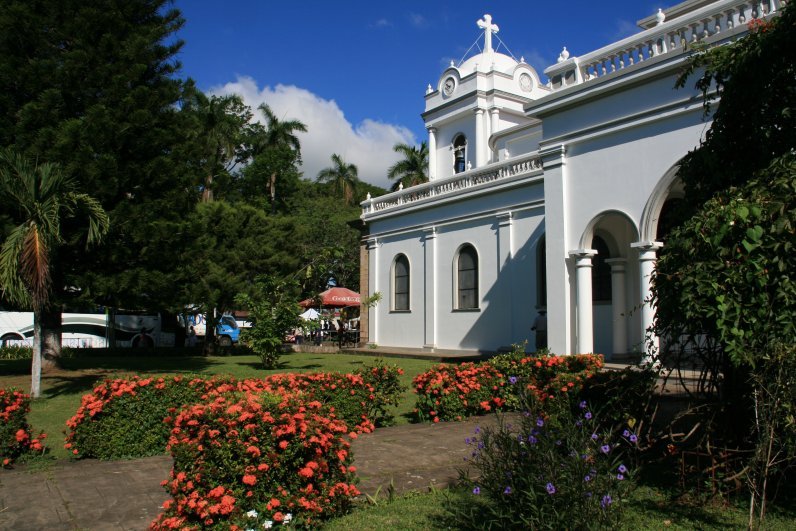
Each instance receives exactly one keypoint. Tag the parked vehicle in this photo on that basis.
(91, 330)
(227, 328)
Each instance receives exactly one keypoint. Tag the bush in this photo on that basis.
(385, 381)
(123, 418)
(251, 460)
(451, 392)
(15, 352)
(15, 435)
(552, 471)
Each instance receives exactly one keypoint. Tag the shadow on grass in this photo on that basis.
(70, 385)
(192, 364)
(9, 367)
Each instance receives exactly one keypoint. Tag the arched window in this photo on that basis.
(541, 273)
(600, 272)
(459, 153)
(467, 279)
(400, 284)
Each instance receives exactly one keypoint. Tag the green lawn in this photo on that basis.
(649, 508)
(63, 389)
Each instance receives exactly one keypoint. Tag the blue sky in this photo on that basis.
(356, 71)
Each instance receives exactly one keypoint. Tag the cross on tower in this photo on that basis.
(489, 29)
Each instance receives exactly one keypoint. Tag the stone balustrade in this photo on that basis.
(667, 37)
(526, 165)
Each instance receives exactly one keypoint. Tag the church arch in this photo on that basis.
(400, 280)
(669, 188)
(466, 273)
(459, 147)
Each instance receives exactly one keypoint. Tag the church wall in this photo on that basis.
(401, 327)
(507, 302)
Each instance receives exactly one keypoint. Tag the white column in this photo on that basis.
(430, 280)
(373, 281)
(494, 113)
(647, 255)
(432, 153)
(559, 268)
(583, 311)
(479, 138)
(618, 305)
(505, 254)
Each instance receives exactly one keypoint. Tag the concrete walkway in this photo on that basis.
(126, 495)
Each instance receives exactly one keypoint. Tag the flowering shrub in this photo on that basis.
(125, 417)
(246, 460)
(450, 392)
(15, 435)
(552, 471)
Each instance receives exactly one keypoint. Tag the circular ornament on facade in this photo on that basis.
(526, 83)
(448, 86)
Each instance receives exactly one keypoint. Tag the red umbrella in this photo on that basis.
(334, 297)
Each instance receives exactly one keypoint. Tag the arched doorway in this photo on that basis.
(609, 236)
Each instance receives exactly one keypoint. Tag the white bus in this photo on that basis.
(90, 330)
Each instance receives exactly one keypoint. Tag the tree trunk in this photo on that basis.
(35, 369)
(207, 193)
(273, 192)
(50, 340)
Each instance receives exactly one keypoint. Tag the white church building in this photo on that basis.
(545, 193)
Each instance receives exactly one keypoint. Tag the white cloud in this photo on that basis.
(368, 144)
(382, 23)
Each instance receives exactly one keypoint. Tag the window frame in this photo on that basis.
(394, 307)
(457, 292)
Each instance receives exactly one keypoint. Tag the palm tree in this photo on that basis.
(343, 177)
(280, 135)
(221, 124)
(45, 200)
(413, 169)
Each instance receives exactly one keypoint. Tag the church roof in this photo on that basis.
(488, 61)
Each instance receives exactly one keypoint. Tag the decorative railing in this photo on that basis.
(526, 165)
(667, 37)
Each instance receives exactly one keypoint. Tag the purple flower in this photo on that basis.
(626, 434)
(593, 436)
(532, 439)
(587, 478)
(606, 501)
(478, 429)
(507, 490)
(605, 448)
(633, 438)
(477, 490)
(582, 405)
(539, 422)
(512, 380)
(620, 477)
(467, 440)
(578, 424)
(551, 489)
(622, 469)
(587, 415)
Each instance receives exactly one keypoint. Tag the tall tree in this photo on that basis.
(223, 123)
(279, 142)
(93, 86)
(342, 176)
(412, 169)
(50, 215)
